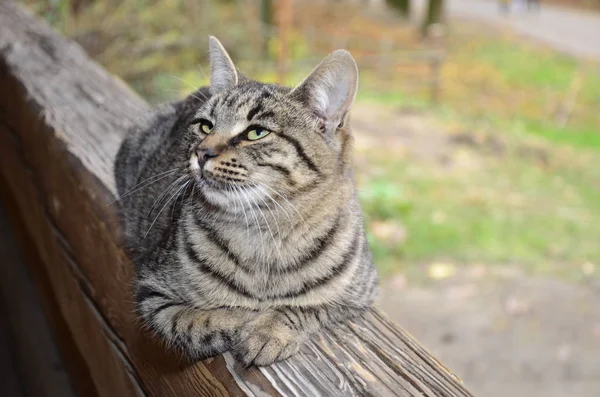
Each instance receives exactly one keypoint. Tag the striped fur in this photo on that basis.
(262, 244)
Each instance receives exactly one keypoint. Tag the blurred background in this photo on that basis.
(477, 129)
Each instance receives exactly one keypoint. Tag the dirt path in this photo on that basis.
(570, 31)
(506, 334)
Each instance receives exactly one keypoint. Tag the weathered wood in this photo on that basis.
(40, 369)
(72, 358)
(62, 118)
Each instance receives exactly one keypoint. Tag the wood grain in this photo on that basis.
(62, 118)
(36, 360)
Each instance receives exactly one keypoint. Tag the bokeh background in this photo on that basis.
(477, 129)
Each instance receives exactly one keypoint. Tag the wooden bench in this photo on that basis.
(62, 118)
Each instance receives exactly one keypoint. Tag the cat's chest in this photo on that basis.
(246, 251)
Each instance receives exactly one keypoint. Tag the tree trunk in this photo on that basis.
(284, 20)
(434, 15)
(402, 6)
(266, 19)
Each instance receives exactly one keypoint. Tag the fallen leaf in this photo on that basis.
(441, 270)
(588, 268)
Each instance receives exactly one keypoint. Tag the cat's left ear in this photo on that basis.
(223, 74)
(331, 88)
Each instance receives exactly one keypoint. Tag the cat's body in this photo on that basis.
(259, 240)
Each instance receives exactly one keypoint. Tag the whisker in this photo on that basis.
(262, 246)
(203, 72)
(187, 184)
(189, 84)
(230, 190)
(165, 193)
(182, 92)
(146, 183)
(286, 200)
(277, 246)
(244, 210)
(276, 203)
(270, 210)
(192, 194)
(268, 227)
(163, 207)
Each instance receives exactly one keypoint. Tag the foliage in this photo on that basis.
(402, 6)
(433, 15)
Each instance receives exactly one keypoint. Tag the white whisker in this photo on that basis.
(192, 194)
(268, 227)
(203, 72)
(163, 207)
(262, 244)
(189, 84)
(183, 92)
(230, 191)
(272, 215)
(284, 198)
(276, 203)
(244, 210)
(186, 185)
(165, 193)
(146, 183)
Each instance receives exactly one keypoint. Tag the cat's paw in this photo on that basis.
(265, 340)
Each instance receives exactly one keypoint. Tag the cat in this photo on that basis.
(241, 215)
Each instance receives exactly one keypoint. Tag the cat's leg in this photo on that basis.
(277, 334)
(197, 333)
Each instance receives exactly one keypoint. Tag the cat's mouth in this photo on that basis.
(217, 175)
(215, 181)
(210, 180)
(217, 190)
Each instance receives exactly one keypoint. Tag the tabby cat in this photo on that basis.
(240, 211)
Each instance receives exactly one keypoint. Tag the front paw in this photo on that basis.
(265, 340)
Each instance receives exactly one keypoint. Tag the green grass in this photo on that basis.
(543, 214)
(511, 81)
(507, 209)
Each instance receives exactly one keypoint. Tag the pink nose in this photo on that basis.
(205, 154)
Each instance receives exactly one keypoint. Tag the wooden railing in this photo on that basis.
(62, 118)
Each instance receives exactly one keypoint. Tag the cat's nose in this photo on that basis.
(205, 154)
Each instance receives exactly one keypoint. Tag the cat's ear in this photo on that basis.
(223, 74)
(331, 88)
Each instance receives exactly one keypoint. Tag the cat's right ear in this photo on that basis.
(330, 89)
(223, 75)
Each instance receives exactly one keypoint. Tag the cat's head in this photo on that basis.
(264, 139)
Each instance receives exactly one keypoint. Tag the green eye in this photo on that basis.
(206, 126)
(257, 133)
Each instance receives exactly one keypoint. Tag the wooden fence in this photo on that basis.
(62, 118)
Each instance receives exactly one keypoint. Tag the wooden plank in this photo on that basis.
(40, 368)
(100, 358)
(72, 358)
(62, 118)
(9, 379)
